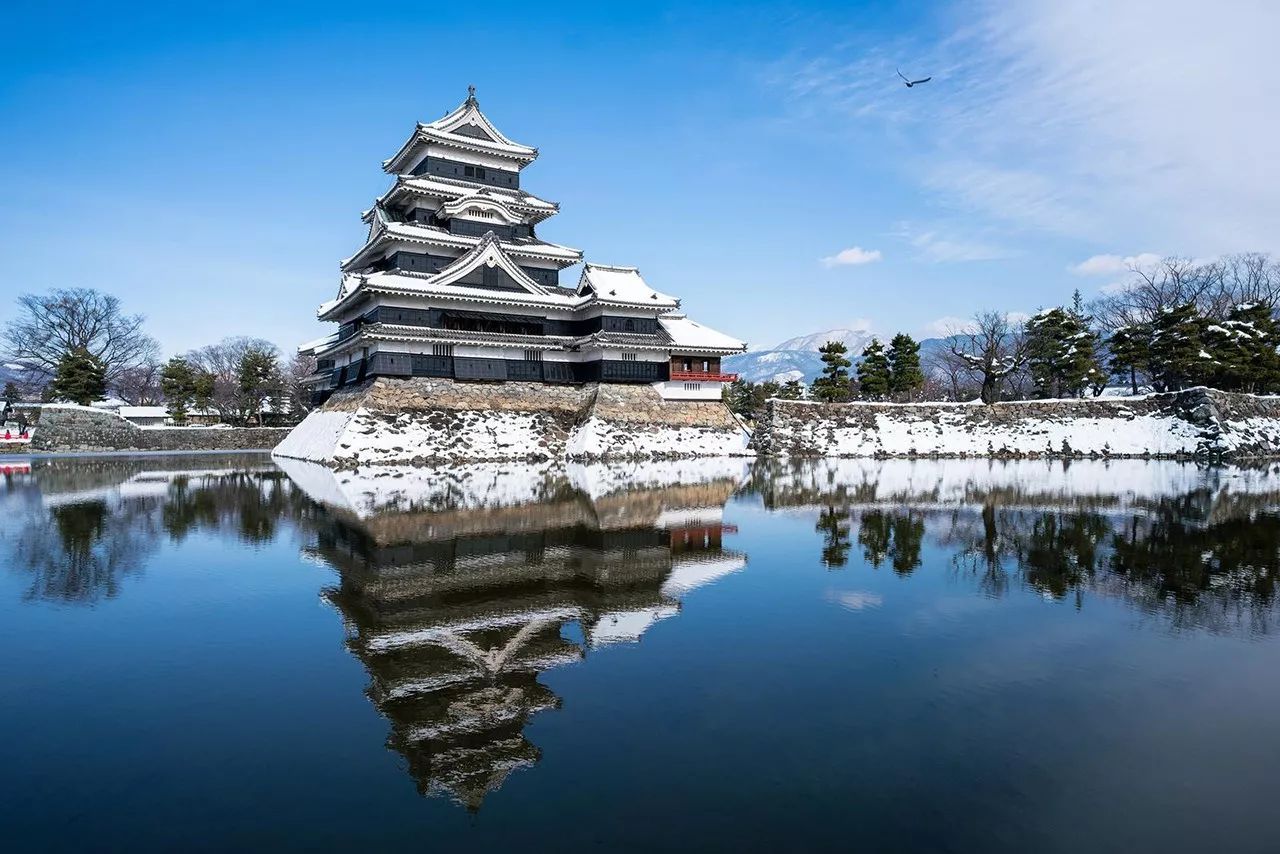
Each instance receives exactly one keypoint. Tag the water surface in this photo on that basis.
(214, 652)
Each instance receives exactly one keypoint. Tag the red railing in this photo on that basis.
(703, 376)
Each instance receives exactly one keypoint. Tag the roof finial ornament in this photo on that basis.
(471, 95)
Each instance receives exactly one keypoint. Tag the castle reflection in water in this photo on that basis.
(459, 588)
(456, 610)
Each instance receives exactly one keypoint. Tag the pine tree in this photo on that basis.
(178, 382)
(833, 385)
(737, 396)
(1242, 350)
(81, 378)
(1130, 348)
(905, 375)
(260, 382)
(873, 372)
(204, 389)
(1062, 353)
(1178, 357)
(11, 393)
(791, 390)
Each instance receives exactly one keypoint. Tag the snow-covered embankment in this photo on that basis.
(1193, 423)
(431, 422)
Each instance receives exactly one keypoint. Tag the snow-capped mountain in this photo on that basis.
(854, 339)
(796, 358)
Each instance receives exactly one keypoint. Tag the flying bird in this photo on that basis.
(911, 83)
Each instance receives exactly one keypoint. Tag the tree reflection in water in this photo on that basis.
(1201, 552)
(79, 527)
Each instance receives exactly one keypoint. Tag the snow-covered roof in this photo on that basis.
(451, 188)
(424, 285)
(688, 334)
(143, 412)
(312, 346)
(621, 284)
(415, 232)
(465, 128)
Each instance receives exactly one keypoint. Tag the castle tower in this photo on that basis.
(454, 281)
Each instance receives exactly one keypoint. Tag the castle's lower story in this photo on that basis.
(632, 336)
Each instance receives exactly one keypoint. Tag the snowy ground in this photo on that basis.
(1192, 423)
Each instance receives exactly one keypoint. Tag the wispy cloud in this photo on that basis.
(1066, 118)
(854, 600)
(852, 257)
(942, 247)
(1110, 265)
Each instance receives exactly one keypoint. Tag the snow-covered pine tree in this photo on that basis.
(1178, 357)
(874, 380)
(1062, 353)
(833, 385)
(1242, 350)
(905, 375)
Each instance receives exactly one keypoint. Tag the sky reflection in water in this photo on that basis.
(911, 655)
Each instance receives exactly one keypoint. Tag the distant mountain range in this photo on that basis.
(10, 372)
(797, 358)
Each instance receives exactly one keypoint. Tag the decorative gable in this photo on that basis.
(487, 266)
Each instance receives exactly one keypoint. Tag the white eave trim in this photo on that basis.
(564, 255)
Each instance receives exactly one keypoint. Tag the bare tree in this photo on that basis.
(65, 320)
(1213, 287)
(298, 396)
(222, 362)
(947, 376)
(991, 350)
(140, 385)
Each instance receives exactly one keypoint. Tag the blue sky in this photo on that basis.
(208, 163)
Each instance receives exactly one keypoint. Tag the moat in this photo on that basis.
(220, 651)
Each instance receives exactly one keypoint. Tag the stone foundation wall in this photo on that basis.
(1195, 423)
(73, 429)
(424, 421)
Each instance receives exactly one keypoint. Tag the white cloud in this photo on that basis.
(1109, 265)
(851, 257)
(952, 325)
(944, 326)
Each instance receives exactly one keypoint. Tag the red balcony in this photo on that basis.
(702, 377)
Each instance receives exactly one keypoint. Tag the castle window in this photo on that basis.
(693, 386)
(442, 349)
(628, 357)
(533, 355)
